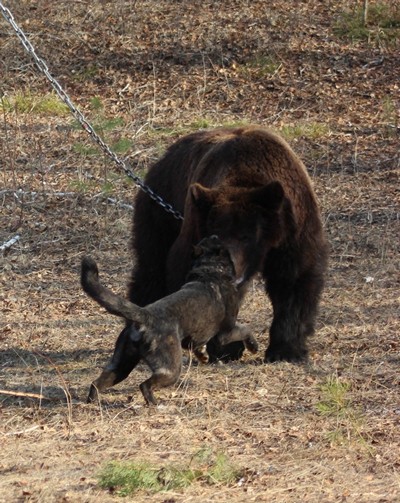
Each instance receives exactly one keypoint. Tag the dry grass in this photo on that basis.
(326, 431)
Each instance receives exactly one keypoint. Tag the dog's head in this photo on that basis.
(211, 246)
(211, 256)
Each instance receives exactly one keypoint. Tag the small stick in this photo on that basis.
(39, 396)
(21, 432)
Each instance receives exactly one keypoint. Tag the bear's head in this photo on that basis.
(249, 221)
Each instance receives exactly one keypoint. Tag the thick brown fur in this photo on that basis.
(205, 306)
(247, 186)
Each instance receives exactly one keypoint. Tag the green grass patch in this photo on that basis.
(334, 398)
(126, 478)
(83, 187)
(107, 188)
(390, 116)
(163, 136)
(311, 130)
(195, 125)
(102, 124)
(158, 132)
(261, 65)
(25, 102)
(85, 149)
(87, 73)
(383, 24)
(104, 127)
(346, 422)
(121, 146)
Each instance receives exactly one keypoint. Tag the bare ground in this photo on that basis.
(165, 68)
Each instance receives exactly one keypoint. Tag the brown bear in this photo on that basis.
(248, 187)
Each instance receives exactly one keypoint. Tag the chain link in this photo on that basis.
(42, 66)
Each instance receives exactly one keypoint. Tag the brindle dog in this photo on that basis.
(206, 305)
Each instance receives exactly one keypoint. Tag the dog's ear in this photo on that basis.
(197, 251)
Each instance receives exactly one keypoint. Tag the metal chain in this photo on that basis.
(42, 66)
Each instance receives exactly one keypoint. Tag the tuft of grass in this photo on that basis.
(25, 102)
(85, 149)
(236, 123)
(390, 115)
(107, 188)
(201, 123)
(121, 146)
(336, 404)
(96, 103)
(260, 65)
(311, 130)
(334, 401)
(128, 477)
(104, 127)
(172, 132)
(87, 73)
(222, 471)
(161, 132)
(383, 24)
(81, 186)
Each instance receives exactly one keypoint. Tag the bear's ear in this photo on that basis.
(202, 197)
(269, 197)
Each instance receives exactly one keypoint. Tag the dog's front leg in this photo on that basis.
(202, 354)
(239, 333)
(165, 361)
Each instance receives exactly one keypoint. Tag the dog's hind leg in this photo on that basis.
(125, 358)
(166, 364)
(163, 377)
(160, 379)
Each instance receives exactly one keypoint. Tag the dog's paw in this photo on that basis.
(251, 344)
(230, 352)
(201, 354)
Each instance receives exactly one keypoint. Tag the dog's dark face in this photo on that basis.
(211, 253)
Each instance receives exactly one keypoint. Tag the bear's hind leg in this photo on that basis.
(154, 232)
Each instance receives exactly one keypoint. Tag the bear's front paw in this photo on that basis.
(229, 352)
(285, 354)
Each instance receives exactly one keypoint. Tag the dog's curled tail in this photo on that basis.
(115, 304)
